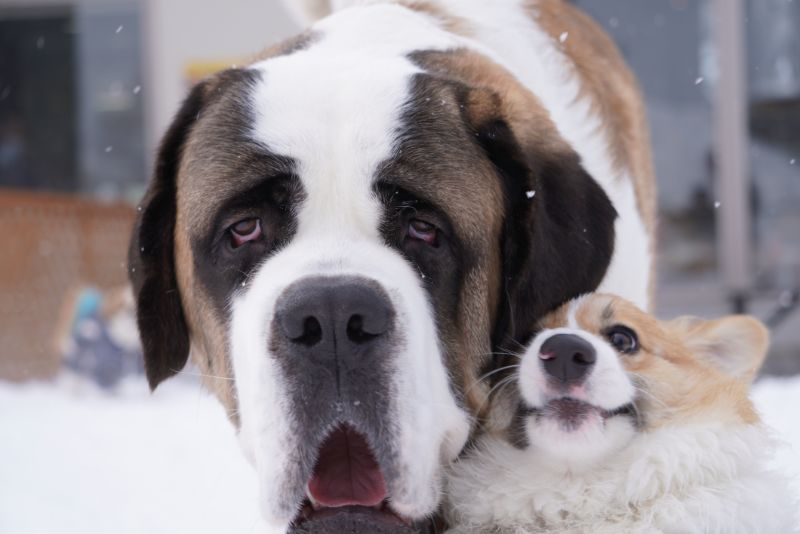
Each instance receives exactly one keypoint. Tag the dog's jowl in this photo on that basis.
(350, 226)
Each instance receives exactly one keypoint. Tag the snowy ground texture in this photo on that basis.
(76, 460)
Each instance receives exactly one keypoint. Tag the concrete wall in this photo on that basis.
(177, 32)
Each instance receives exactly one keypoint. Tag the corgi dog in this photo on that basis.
(612, 421)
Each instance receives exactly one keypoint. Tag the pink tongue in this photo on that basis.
(347, 473)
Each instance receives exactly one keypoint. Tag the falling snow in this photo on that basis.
(699, 80)
(530, 194)
(180, 439)
(717, 204)
(563, 37)
(109, 148)
(137, 89)
(119, 28)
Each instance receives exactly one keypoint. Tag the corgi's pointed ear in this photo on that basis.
(736, 344)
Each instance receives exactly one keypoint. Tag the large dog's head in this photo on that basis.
(347, 228)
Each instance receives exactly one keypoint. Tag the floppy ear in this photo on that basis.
(162, 326)
(736, 344)
(558, 235)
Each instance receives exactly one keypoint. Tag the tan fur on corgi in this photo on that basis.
(613, 421)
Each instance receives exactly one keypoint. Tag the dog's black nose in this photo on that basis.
(334, 316)
(567, 357)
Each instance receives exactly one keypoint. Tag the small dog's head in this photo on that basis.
(602, 371)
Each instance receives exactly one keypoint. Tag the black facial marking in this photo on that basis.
(558, 244)
(439, 267)
(222, 268)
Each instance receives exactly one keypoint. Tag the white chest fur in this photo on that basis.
(709, 479)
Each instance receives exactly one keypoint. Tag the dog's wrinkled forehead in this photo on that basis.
(335, 106)
(337, 138)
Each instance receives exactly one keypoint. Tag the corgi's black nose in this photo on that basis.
(567, 358)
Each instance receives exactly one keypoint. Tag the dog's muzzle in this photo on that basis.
(335, 339)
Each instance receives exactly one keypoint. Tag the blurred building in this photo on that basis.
(88, 86)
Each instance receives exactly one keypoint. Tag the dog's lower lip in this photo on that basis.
(382, 512)
(575, 404)
(625, 409)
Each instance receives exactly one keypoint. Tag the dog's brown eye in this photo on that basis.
(245, 231)
(422, 231)
(623, 339)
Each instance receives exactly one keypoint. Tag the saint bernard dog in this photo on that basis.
(343, 232)
(614, 422)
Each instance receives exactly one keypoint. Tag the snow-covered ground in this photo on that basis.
(76, 460)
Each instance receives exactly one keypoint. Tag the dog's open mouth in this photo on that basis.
(347, 480)
(572, 413)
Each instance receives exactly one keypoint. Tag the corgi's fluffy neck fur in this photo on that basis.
(701, 478)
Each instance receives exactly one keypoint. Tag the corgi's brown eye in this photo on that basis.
(623, 339)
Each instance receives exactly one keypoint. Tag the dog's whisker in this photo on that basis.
(496, 389)
(203, 375)
(520, 345)
(649, 396)
(488, 375)
(502, 353)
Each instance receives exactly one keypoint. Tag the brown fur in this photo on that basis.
(497, 93)
(614, 94)
(284, 48)
(612, 90)
(448, 21)
(209, 340)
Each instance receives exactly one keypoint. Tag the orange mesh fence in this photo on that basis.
(50, 245)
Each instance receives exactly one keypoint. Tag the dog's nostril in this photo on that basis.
(332, 316)
(356, 332)
(584, 358)
(312, 332)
